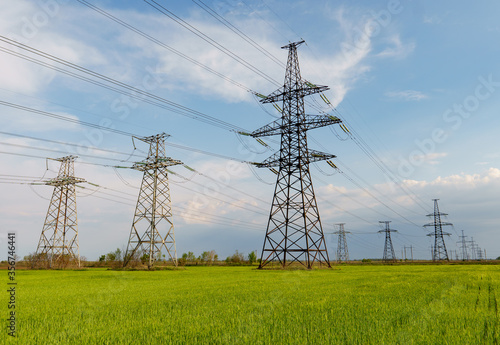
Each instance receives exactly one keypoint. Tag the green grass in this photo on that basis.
(444, 304)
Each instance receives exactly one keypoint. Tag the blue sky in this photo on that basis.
(418, 82)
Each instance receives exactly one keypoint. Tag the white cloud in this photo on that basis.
(407, 95)
(39, 26)
(463, 181)
(396, 48)
(430, 158)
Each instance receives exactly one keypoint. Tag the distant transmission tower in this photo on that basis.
(342, 251)
(152, 227)
(439, 253)
(58, 245)
(463, 247)
(294, 232)
(389, 255)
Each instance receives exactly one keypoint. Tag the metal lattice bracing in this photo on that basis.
(294, 233)
(439, 252)
(58, 245)
(152, 230)
(463, 247)
(389, 255)
(342, 251)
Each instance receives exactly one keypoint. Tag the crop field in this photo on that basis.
(407, 304)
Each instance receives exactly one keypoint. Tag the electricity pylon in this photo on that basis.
(463, 247)
(389, 255)
(58, 245)
(294, 232)
(342, 251)
(152, 227)
(439, 253)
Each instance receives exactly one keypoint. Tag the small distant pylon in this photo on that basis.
(389, 255)
(152, 227)
(463, 247)
(58, 245)
(439, 253)
(342, 250)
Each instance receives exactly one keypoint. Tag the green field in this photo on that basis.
(422, 304)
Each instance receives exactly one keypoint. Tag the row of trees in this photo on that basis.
(211, 257)
(115, 258)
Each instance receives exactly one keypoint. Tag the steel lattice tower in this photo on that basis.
(439, 252)
(342, 251)
(463, 247)
(152, 227)
(58, 245)
(294, 232)
(389, 255)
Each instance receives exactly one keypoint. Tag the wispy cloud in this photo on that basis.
(396, 49)
(407, 95)
(432, 20)
(431, 158)
(489, 177)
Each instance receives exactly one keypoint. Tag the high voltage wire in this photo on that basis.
(182, 147)
(162, 44)
(124, 88)
(238, 32)
(63, 118)
(356, 201)
(176, 206)
(209, 40)
(68, 144)
(59, 151)
(112, 151)
(174, 173)
(223, 220)
(366, 183)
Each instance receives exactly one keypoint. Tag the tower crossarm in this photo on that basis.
(432, 234)
(305, 88)
(316, 121)
(154, 164)
(276, 160)
(64, 181)
(274, 128)
(311, 122)
(442, 224)
(437, 214)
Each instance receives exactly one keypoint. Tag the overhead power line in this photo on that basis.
(118, 87)
(238, 32)
(209, 40)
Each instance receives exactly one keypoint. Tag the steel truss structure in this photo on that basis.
(58, 245)
(342, 250)
(389, 255)
(294, 233)
(439, 252)
(152, 228)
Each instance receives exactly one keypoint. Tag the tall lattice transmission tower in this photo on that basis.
(342, 250)
(294, 233)
(389, 255)
(152, 228)
(58, 245)
(439, 252)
